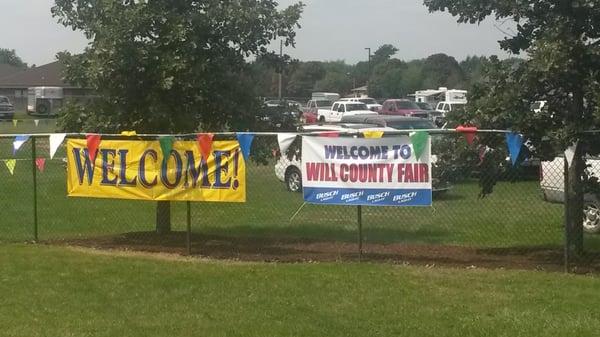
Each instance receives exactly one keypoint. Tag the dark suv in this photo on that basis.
(7, 110)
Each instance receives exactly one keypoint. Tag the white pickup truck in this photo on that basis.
(343, 108)
(553, 189)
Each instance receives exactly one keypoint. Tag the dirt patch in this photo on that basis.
(300, 250)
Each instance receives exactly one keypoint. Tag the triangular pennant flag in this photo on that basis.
(331, 134)
(166, 145)
(570, 153)
(468, 131)
(128, 133)
(205, 144)
(40, 163)
(10, 164)
(15, 121)
(419, 142)
(373, 134)
(514, 141)
(55, 141)
(245, 140)
(93, 141)
(18, 142)
(36, 122)
(285, 140)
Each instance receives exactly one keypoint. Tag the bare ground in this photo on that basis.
(299, 250)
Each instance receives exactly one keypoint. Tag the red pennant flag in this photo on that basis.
(331, 134)
(40, 163)
(93, 141)
(205, 144)
(468, 131)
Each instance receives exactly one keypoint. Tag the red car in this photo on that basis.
(402, 107)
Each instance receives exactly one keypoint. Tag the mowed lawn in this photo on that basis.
(514, 215)
(56, 291)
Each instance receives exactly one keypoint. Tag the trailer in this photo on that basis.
(44, 101)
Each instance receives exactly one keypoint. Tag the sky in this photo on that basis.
(331, 30)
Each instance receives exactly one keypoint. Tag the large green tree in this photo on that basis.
(169, 65)
(561, 41)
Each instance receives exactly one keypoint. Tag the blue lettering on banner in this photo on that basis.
(368, 196)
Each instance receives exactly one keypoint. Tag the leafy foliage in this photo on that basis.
(171, 66)
(9, 56)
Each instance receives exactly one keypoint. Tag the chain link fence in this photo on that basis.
(518, 220)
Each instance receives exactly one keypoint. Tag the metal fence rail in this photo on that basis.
(514, 226)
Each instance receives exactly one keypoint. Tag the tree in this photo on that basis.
(563, 68)
(441, 70)
(386, 80)
(9, 56)
(168, 66)
(382, 54)
(304, 78)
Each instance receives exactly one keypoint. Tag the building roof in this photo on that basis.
(7, 69)
(49, 75)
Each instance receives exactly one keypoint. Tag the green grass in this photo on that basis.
(52, 291)
(514, 215)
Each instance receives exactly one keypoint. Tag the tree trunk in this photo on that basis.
(163, 217)
(574, 193)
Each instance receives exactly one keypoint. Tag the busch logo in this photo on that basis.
(405, 197)
(326, 195)
(352, 196)
(378, 196)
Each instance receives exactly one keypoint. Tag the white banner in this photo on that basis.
(359, 171)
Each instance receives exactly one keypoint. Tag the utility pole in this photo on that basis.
(281, 68)
(369, 67)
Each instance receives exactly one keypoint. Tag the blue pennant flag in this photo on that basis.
(18, 142)
(514, 141)
(245, 140)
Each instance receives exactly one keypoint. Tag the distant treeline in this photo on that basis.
(387, 76)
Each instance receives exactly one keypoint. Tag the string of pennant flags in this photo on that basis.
(16, 122)
(419, 140)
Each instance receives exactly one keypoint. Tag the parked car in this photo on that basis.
(282, 103)
(289, 170)
(435, 116)
(402, 107)
(310, 113)
(343, 108)
(370, 102)
(553, 190)
(7, 110)
(445, 107)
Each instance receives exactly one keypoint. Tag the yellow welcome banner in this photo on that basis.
(130, 169)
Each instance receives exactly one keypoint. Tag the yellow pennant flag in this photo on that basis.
(373, 134)
(10, 164)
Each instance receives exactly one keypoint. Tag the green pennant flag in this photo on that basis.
(419, 141)
(166, 145)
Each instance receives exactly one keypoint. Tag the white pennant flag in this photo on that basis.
(570, 153)
(55, 140)
(36, 121)
(285, 140)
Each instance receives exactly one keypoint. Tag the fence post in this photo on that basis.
(567, 212)
(189, 229)
(360, 236)
(34, 175)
